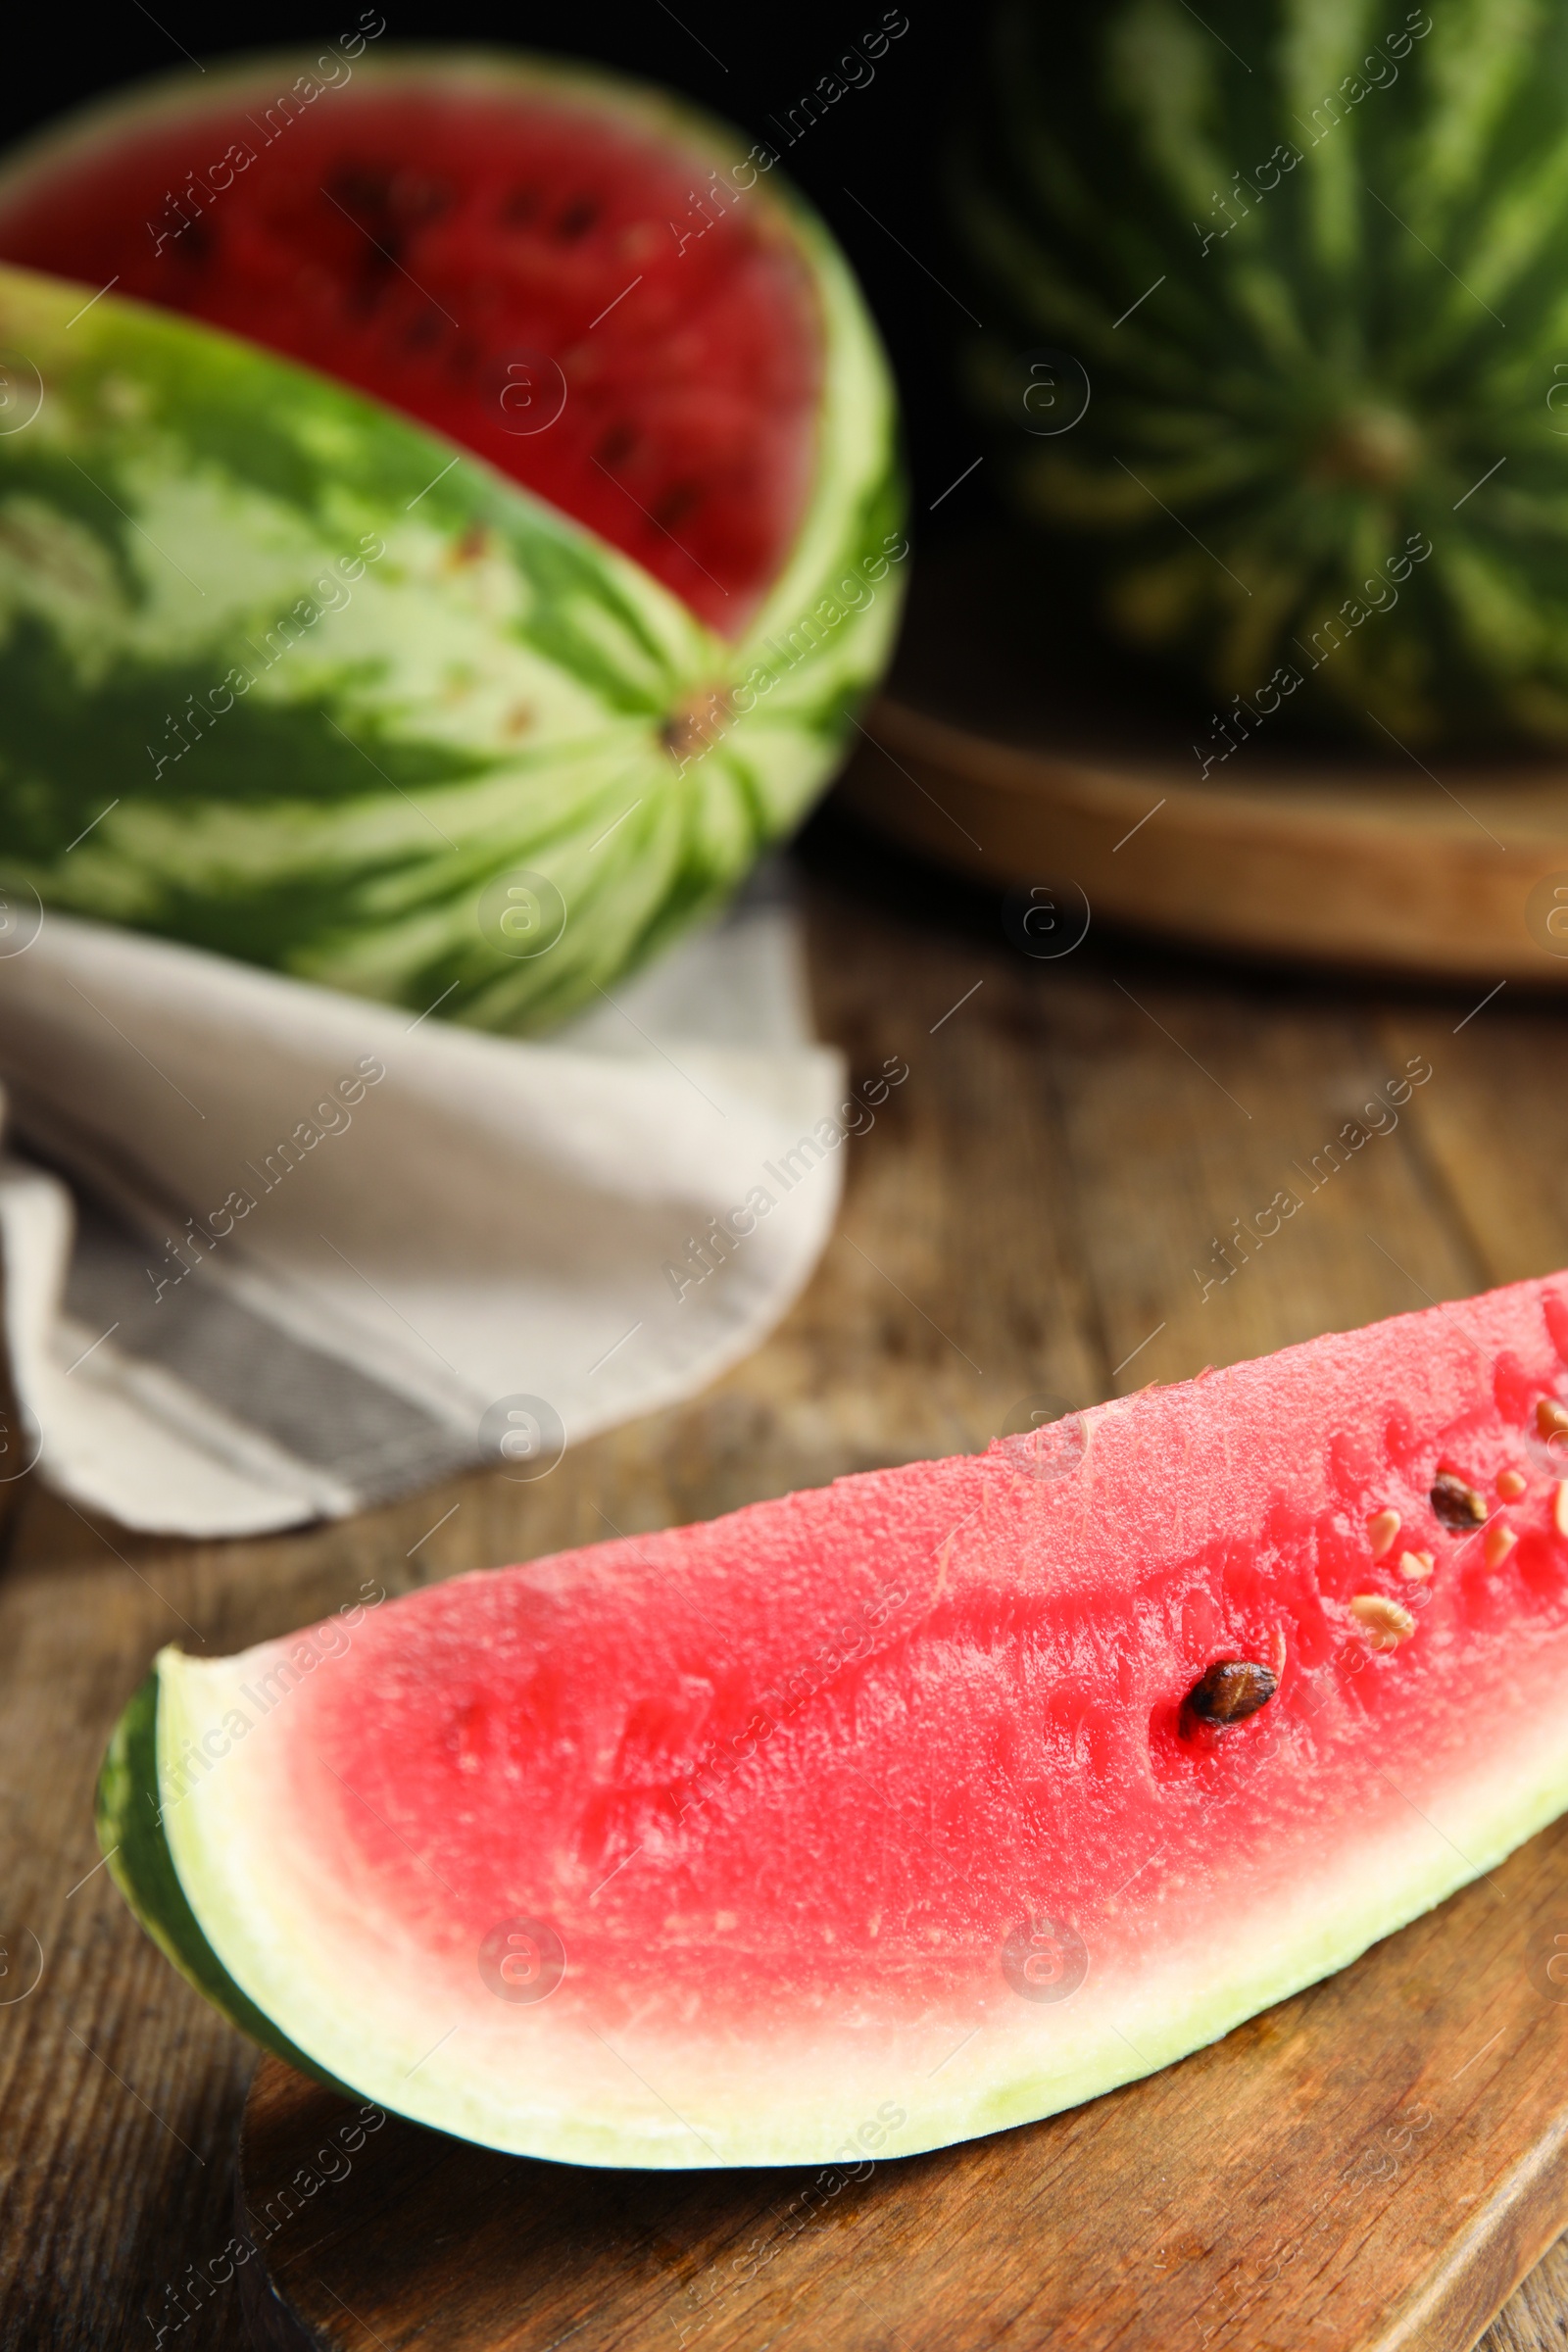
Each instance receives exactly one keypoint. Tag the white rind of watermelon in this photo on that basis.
(790, 1944)
(283, 674)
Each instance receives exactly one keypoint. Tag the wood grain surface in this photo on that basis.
(1010, 745)
(1025, 1217)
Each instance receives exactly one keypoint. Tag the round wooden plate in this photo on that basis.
(1011, 748)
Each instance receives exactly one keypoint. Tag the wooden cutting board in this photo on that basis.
(1042, 1097)
(1012, 747)
(1371, 2167)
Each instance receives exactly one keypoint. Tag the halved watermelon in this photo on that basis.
(886, 1815)
(582, 596)
(450, 241)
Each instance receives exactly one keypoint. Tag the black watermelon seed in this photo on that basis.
(1457, 1505)
(1231, 1689)
(676, 503)
(196, 245)
(362, 189)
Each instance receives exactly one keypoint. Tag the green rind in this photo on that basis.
(129, 1818)
(493, 695)
(1372, 280)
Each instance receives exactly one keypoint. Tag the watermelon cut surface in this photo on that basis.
(430, 565)
(476, 254)
(886, 1815)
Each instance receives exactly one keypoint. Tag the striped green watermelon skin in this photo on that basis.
(131, 1836)
(1309, 253)
(286, 675)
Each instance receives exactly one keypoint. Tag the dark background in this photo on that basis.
(883, 141)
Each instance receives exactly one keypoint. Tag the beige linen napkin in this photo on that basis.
(271, 1253)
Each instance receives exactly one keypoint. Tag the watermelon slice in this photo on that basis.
(453, 471)
(882, 1816)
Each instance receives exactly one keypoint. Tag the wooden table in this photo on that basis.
(1036, 1211)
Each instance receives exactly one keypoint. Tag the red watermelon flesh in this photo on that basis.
(884, 1814)
(565, 284)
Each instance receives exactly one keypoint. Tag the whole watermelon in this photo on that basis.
(448, 517)
(1307, 263)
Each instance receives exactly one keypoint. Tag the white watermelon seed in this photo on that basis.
(1510, 1485)
(1499, 1541)
(1386, 1623)
(1415, 1565)
(1559, 1507)
(1552, 1418)
(1381, 1530)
